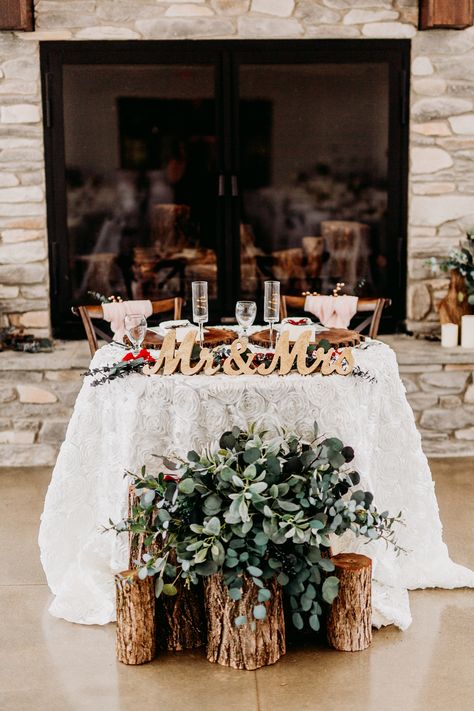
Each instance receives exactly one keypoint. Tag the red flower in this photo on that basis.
(170, 477)
(146, 355)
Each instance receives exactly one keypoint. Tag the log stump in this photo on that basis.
(135, 603)
(349, 625)
(241, 647)
(180, 620)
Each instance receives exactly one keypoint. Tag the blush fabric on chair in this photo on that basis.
(374, 307)
(90, 314)
(332, 311)
(115, 313)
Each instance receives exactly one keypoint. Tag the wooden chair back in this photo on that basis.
(364, 305)
(89, 314)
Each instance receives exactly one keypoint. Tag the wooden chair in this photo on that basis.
(364, 305)
(89, 314)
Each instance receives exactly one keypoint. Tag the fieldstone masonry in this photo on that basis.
(442, 121)
(37, 392)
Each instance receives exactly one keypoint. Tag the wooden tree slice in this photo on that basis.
(337, 337)
(212, 337)
(241, 647)
(136, 633)
(349, 626)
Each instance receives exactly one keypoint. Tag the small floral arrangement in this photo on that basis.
(257, 508)
(462, 260)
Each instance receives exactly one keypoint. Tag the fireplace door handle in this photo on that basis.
(221, 187)
(234, 186)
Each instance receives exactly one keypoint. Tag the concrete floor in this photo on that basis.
(50, 665)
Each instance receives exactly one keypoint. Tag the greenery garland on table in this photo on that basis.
(256, 506)
(130, 365)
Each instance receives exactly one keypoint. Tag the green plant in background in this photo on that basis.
(462, 260)
(258, 507)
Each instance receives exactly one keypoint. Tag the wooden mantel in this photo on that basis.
(446, 14)
(17, 15)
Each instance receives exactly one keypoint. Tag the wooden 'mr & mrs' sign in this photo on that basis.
(286, 357)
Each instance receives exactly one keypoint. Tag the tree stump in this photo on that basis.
(349, 626)
(136, 633)
(180, 621)
(241, 647)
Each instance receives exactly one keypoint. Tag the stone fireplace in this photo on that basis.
(38, 392)
(440, 193)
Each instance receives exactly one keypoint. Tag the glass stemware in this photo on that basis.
(245, 313)
(271, 305)
(135, 327)
(200, 307)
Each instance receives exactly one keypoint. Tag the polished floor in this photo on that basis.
(50, 665)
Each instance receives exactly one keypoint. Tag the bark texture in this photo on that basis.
(241, 647)
(349, 626)
(136, 633)
(180, 622)
(454, 305)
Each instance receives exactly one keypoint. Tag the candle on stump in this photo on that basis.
(449, 335)
(467, 331)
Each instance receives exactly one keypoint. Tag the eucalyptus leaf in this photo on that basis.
(259, 612)
(330, 589)
(169, 590)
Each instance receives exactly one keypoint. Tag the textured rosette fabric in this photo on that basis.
(120, 425)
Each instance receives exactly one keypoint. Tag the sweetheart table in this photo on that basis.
(118, 426)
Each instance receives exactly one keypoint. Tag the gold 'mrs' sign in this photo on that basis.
(286, 357)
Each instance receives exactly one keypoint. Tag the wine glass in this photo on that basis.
(245, 312)
(136, 327)
(271, 305)
(200, 307)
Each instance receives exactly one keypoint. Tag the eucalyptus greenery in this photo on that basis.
(260, 507)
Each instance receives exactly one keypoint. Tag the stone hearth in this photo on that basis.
(38, 391)
(441, 191)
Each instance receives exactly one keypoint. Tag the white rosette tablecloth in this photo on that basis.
(119, 425)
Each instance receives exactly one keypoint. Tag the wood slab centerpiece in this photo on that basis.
(212, 337)
(336, 337)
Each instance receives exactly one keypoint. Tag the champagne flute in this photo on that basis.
(271, 305)
(200, 307)
(136, 327)
(245, 312)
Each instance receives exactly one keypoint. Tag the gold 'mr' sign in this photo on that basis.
(285, 358)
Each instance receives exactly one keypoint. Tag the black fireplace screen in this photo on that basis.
(282, 160)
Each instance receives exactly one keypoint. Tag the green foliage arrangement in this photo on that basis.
(260, 507)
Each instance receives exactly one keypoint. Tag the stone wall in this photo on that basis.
(440, 389)
(37, 396)
(442, 120)
(38, 392)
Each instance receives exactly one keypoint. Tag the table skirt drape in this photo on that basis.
(119, 426)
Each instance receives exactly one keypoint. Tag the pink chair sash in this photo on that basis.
(115, 314)
(332, 311)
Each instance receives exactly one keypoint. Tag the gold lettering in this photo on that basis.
(244, 367)
(284, 359)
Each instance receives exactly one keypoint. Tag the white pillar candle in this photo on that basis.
(467, 331)
(449, 335)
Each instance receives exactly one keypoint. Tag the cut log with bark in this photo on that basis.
(242, 647)
(136, 631)
(180, 620)
(349, 625)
